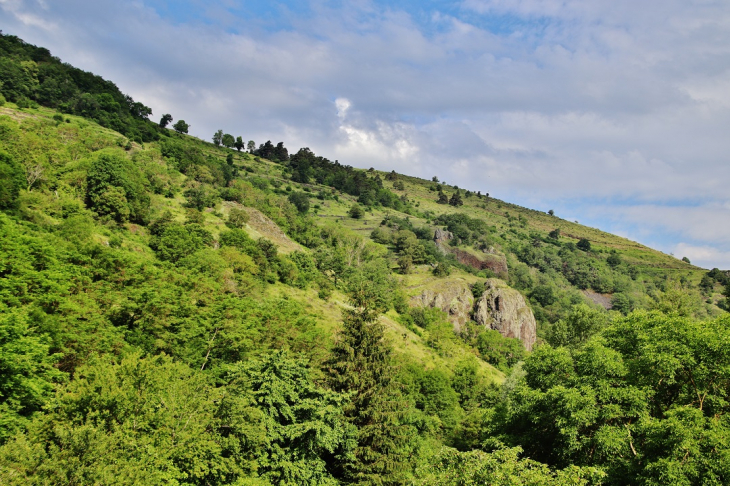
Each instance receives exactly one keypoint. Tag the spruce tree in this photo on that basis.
(361, 364)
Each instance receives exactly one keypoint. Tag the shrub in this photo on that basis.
(237, 218)
(441, 270)
(300, 200)
(177, 241)
(583, 244)
(356, 211)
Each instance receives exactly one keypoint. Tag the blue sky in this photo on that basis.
(612, 113)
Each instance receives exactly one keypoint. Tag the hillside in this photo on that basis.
(178, 311)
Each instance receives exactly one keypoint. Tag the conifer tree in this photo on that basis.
(361, 365)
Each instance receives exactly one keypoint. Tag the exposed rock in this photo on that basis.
(441, 238)
(454, 298)
(603, 300)
(492, 261)
(504, 309)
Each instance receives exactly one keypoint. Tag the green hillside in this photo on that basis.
(178, 311)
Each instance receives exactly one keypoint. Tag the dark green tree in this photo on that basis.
(12, 181)
(228, 140)
(456, 199)
(181, 127)
(361, 364)
(239, 144)
(165, 120)
(300, 200)
(554, 234)
(584, 244)
(356, 211)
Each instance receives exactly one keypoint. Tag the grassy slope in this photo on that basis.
(406, 343)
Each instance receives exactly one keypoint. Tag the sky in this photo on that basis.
(613, 113)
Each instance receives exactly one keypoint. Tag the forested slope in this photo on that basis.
(174, 311)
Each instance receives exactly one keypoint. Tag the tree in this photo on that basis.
(551, 212)
(554, 234)
(307, 431)
(686, 260)
(435, 179)
(300, 200)
(217, 137)
(228, 141)
(114, 187)
(456, 199)
(443, 198)
(281, 153)
(239, 144)
(584, 244)
(237, 218)
(181, 127)
(165, 120)
(11, 181)
(614, 259)
(177, 241)
(251, 146)
(361, 365)
(356, 211)
(405, 264)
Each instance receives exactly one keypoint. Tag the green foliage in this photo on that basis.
(142, 421)
(643, 402)
(450, 467)
(361, 365)
(237, 218)
(300, 200)
(181, 127)
(580, 325)
(228, 140)
(356, 211)
(12, 180)
(177, 241)
(441, 270)
(501, 352)
(307, 433)
(114, 188)
(27, 374)
(583, 244)
(30, 76)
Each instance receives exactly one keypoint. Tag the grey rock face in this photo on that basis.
(455, 298)
(503, 308)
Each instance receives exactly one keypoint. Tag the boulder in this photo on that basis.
(502, 308)
(453, 297)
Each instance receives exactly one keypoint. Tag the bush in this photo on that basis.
(583, 244)
(177, 241)
(237, 218)
(356, 211)
(441, 270)
(300, 200)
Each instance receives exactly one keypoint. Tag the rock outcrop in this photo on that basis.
(441, 238)
(453, 297)
(492, 261)
(504, 309)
